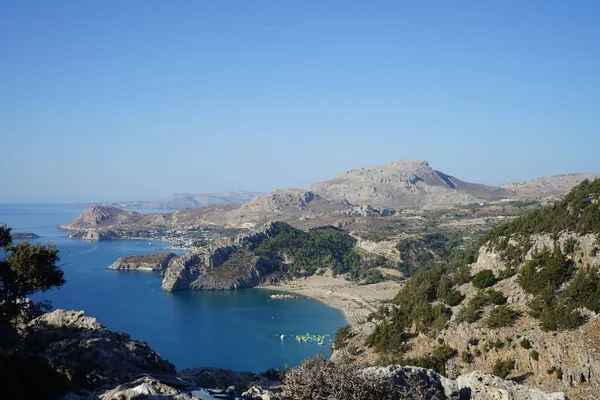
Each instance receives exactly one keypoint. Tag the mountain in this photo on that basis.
(556, 185)
(406, 184)
(181, 201)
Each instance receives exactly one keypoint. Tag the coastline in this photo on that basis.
(355, 301)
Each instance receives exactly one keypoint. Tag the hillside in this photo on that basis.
(556, 185)
(527, 308)
(406, 184)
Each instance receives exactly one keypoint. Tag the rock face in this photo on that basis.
(150, 262)
(90, 355)
(474, 386)
(482, 386)
(223, 267)
(575, 351)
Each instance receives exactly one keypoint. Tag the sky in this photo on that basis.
(136, 100)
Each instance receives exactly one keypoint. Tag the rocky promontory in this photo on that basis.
(149, 262)
(91, 356)
(220, 267)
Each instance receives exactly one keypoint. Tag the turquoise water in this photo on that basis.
(239, 329)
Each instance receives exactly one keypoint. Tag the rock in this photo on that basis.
(91, 356)
(258, 393)
(211, 377)
(150, 262)
(148, 387)
(482, 386)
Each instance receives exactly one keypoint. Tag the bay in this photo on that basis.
(239, 329)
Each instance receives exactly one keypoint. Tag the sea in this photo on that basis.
(239, 329)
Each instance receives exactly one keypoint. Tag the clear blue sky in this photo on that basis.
(119, 100)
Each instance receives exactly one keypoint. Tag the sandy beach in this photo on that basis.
(355, 301)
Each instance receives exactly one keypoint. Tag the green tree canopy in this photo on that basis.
(25, 269)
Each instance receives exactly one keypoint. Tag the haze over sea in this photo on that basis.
(238, 330)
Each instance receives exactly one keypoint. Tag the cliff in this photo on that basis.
(220, 267)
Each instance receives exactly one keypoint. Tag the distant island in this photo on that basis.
(24, 235)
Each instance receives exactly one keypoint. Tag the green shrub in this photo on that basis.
(483, 279)
(501, 316)
(496, 297)
(571, 245)
(534, 355)
(497, 344)
(341, 335)
(503, 368)
(466, 357)
(476, 352)
(454, 298)
(545, 269)
(526, 344)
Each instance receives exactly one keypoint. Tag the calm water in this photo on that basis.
(235, 329)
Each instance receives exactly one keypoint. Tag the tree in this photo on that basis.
(24, 270)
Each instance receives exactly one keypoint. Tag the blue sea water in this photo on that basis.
(238, 330)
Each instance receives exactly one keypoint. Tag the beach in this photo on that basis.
(355, 301)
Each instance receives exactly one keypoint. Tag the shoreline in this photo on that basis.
(355, 301)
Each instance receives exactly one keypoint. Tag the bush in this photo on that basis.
(496, 297)
(454, 298)
(501, 316)
(545, 269)
(466, 357)
(341, 335)
(526, 344)
(317, 378)
(503, 368)
(534, 355)
(483, 279)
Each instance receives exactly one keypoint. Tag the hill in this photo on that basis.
(526, 308)
(556, 185)
(406, 184)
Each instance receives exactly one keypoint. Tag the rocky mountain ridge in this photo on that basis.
(367, 192)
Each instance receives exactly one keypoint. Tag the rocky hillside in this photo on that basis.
(275, 252)
(90, 362)
(406, 184)
(556, 185)
(527, 308)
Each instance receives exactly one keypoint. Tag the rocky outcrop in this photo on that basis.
(90, 355)
(150, 387)
(224, 267)
(150, 262)
(481, 386)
